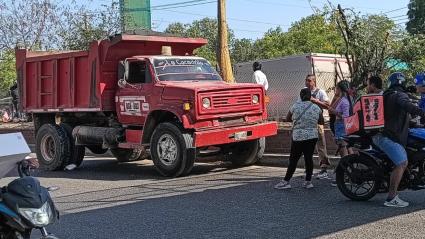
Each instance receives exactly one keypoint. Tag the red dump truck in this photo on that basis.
(125, 95)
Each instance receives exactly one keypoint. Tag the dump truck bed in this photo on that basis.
(84, 81)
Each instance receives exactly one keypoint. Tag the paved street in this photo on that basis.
(105, 199)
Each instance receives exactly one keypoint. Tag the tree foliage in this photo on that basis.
(28, 23)
(416, 14)
(79, 27)
(370, 42)
(204, 28)
(7, 71)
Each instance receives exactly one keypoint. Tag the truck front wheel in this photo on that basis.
(52, 147)
(247, 152)
(169, 150)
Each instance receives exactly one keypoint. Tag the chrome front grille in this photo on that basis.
(224, 101)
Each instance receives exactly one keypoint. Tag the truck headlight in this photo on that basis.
(206, 103)
(40, 217)
(255, 99)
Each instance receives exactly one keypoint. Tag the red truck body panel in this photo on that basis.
(75, 81)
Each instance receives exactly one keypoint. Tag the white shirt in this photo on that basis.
(317, 94)
(320, 95)
(260, 78)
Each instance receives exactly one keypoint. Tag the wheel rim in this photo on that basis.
(353, 179)
(48, 148)
(167, 149)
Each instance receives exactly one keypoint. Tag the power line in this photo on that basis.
(398, 16)
(394, 10)
(172, 5)
(182, 4)
(179, 3)
(229, 18)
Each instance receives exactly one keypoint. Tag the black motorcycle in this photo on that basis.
(26, 205)
(361, 176)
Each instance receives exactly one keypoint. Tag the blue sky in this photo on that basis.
(251, 18)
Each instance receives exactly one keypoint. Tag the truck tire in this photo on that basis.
(126, 155)
(97, 149)
(52, 147)
(169, 150)
(77, 151)
(247, 152)
(190, 154)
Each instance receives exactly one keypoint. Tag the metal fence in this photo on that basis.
(284, 88)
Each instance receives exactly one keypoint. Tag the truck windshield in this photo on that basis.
(185, 69)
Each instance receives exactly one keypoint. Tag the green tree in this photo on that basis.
(314, 33)
(416, 14)
(7, 72)
(410, 50)
(204, 28)
(79, 26)
(243, 50)
(273, 44)
(370, 41)
(28, 23)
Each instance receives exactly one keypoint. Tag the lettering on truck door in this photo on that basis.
(132, 99)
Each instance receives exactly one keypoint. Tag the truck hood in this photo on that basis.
(197, 86)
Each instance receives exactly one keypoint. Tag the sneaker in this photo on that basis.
(308, 184)
(322, 174)
(282, 185)
(333, 183)
(396, 202)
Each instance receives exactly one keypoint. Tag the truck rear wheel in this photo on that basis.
(127, 155)
(52, 147)
(247, 152)
(169, 150)
(77, 151)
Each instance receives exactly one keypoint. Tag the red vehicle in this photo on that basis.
(123, 95)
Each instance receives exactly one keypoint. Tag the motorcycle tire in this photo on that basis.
(347, 177)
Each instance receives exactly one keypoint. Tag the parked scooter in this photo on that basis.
(25, 205)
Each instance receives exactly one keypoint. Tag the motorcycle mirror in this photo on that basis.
(53, 188)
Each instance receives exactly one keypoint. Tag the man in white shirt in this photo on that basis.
(259, 77)
(320, 98)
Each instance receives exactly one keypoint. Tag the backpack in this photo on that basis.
(368, 115)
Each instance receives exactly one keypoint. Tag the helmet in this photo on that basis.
(344, 85)
(420, 79)
(256, 66)
(396, 78)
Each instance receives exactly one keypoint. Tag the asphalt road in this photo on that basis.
(105, 199)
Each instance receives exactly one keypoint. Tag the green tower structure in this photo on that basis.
(135, 15)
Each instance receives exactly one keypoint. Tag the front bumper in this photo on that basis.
(227, 135)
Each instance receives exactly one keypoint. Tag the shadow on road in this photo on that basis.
(112, 170)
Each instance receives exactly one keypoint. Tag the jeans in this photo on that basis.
(393, 150)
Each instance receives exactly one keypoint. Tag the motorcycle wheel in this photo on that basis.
(356, 177)
(11, 234)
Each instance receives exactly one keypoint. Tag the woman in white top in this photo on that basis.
(305, 116)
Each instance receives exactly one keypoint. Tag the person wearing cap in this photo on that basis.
(258, 76)
(420, 88)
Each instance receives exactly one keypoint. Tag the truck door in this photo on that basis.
(134, 93)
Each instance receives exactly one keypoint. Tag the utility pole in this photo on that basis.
(223, 51)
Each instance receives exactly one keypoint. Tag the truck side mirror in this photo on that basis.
(121, 74)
